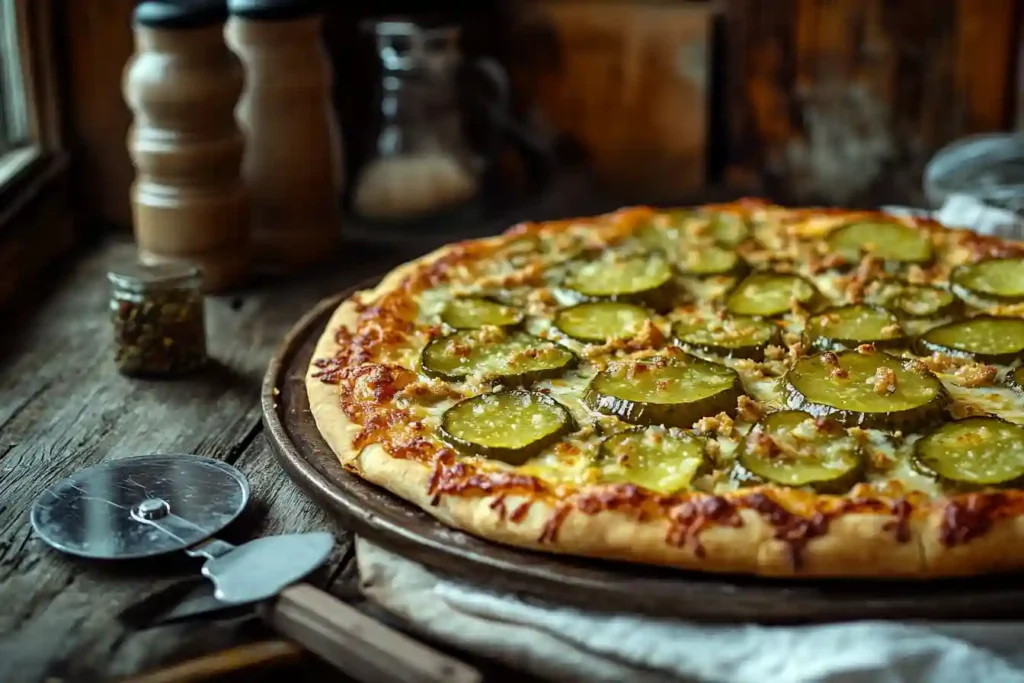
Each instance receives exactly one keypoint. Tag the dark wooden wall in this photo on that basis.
(99, 45)
(843, 99)
(629, 81)
(831, 100)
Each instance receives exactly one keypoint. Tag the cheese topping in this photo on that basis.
(664, 273)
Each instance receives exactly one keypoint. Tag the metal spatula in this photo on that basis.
(152, 505)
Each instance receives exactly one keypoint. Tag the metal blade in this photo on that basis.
(241, 576)
(263, 567)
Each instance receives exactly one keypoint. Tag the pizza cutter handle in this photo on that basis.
(358, 645)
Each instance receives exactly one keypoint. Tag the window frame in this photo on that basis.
(35, 220)
(33, 30)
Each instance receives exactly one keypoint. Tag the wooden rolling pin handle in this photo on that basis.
(356, 644)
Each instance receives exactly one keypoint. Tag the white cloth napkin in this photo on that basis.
(567, 644)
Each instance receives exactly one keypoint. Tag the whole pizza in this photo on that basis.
(729, 388)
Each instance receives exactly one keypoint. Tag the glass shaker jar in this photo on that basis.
(422, 164)
(158, 317)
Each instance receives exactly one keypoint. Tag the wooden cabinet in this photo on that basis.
(627, 80)
(828, 100)
(845, 100)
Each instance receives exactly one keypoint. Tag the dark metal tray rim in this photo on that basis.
(382, 518)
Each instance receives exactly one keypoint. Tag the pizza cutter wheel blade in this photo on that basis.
(102, 512)
(147, 506)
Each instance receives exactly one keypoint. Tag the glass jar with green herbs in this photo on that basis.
(159, 326)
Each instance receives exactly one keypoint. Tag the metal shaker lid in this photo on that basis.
(182, 14)
(274, 10)
(406, 45)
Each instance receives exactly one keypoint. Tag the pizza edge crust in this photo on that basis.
(855, 544)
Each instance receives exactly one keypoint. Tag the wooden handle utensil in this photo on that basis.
(361, 647)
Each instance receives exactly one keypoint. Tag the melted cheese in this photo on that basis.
(890, 457)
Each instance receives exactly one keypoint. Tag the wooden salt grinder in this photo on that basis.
(182, 85)
(292, 165)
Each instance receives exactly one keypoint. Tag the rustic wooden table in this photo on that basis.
(63, 407)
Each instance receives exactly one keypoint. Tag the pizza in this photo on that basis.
(743, 388)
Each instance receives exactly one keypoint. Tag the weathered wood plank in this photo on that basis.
(986, 59)
(278, 507)
(65, 408)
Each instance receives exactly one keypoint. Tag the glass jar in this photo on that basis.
(158, 317)
(421, 163)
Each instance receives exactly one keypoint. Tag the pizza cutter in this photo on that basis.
(152, 505)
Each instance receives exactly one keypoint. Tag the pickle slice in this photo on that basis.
(674, 228)
(1000, 279)
(769, 294)
(847, 327)
(870, 390)
(708, 261)
(792, 448)
(514, 358)
(975, 452)
(675, 392)
(922, 301)
(733, 336)
(468, 313)
(891, 242)
(642, 279)
(1015, 379)
(600, 321)
(985, 338)
(512, 426)
(659, 459)
(663, 232)
(513, 297)
(727, 229)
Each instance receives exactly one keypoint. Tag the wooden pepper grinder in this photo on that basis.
(292, 164)
(183, 84)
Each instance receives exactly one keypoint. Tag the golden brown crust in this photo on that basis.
(768, 531)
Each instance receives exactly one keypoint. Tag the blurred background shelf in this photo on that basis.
(837, 101)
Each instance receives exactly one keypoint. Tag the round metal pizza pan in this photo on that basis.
(401, 527)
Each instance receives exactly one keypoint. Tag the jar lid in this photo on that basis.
(183, 14)
(274, 10)
(141, 277)
(406, 45)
